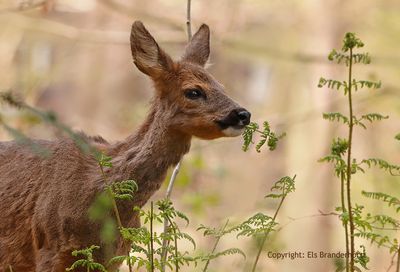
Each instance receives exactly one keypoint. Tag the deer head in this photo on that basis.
(194, 102)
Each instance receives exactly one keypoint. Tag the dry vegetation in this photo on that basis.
(72, 57)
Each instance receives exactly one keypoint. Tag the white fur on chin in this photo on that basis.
(232, 132)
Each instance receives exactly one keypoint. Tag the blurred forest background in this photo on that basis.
(73, 57)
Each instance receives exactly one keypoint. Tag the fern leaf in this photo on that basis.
(336, 116)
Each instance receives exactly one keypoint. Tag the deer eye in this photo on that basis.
(194, 94)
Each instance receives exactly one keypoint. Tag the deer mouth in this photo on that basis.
(230, 130)
(233, 131)
(234, 123)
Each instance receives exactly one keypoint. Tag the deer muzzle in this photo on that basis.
(234, 123)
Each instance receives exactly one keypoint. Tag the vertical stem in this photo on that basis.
(266, 234)
(189, 20)
(351, 221)
(166, 225)
(172, 180)
(151, 239)
(117, 216)
(215, 245)
(177, 167)
(175, 242)
(398, 260)
(346, 225)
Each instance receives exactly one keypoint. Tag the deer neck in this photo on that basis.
(146, 155)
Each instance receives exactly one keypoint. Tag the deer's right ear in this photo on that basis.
(147, 55)
(198, 49)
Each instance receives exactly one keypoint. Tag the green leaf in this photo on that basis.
(350, 41)
(87, 261)
(390, 200)
(336, 116)
(248, 135)
(105, 160)
(332, 84)
(394, 170)
(366, 84)
(267, 136)
(124, 190)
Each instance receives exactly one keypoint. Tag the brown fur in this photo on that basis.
(44, 201)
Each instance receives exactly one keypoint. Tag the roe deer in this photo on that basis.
(44, 201)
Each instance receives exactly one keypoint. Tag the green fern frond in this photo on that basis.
(282, 187)
(87, 261)
(374, 238)
(363, 58)
(267, 136)
(248, 135)
(390, 200)
(124, 190)
(350, 41)
(367, 84)
(371, 117)
(394, 170)
(335, 116)
(257, 224)
(332, 84)
(227, 252)
(104, 160)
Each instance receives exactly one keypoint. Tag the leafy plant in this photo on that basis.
(87, 261)
(261, 224)
(217, 234)
(267, 136)
(150, 243)
(354, 223)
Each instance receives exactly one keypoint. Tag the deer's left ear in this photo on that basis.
(198, 49)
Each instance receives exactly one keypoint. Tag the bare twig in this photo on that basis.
(391, 262)
(24, 6)
(151, 238)
(320, 214)
(166, 224)
(264, 239)
(177, 167)
(215, 245)
(189, 20)
(172, 180)
(398, 260)
(129, 12)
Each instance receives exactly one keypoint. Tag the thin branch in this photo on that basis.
(267, 233)
(151, 238)
(23, 7)
(293, 219)
(398, 260)
(164, 251)
(215, 245)
(189, 20)
(391, 262)
(349, 159)
(130, 12)
(166, 225)
(172, 180)
(346, 225)
(73, 33)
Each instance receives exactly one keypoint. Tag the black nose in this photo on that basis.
(244, 116)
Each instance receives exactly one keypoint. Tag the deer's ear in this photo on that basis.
(198, 49)
(147, 55)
